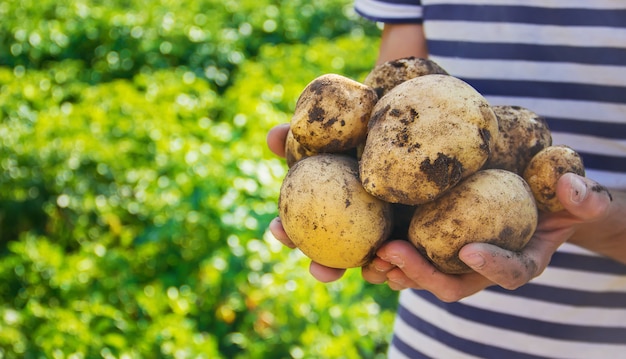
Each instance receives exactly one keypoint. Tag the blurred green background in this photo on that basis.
(136, 186)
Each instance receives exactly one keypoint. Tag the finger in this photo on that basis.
(276, 139)
(418, 272)
(325, 274)
(508, 269)
(396, 286)
(277, 230)
(583, 197)
(375, 272)
(398, 280)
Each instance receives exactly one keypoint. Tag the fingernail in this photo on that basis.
(397, 261)
(578, 191)
(378, 269)
(475, 260)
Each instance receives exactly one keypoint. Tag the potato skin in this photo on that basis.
(328, 215)
(545, 169)
(390, 74)
(491, 206)
(331, 114)
(294, 151)
(425, 136)
(521, 134)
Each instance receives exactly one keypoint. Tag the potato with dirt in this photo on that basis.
(544, 170)
(390, 74)
(521, 134)
(332, 113)
(294, 151)
(425, 136)
(491, 206)
(328, 215)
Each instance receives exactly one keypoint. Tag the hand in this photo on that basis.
(402, 266)
(276, 143)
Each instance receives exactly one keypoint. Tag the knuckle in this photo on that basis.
(450, 295)
(513, 283)
(373, 278)
(518, 277)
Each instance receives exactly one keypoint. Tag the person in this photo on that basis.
(564, 294)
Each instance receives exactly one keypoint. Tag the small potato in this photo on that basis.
(545, 169)
(491, 206)
(331, 114)
(294, 151)
(390, 74)
(521, 134)
(328, 215)
(425, 136)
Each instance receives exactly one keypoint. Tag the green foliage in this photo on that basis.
(120, 38)
(136, 186)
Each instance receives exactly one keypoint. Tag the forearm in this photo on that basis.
(606, 236)
(402, 40)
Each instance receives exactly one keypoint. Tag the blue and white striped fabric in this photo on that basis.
(565, 60)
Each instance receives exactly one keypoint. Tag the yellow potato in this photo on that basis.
(390, 74)
(491, 206)
(545, 169)
(425, 136)
(328, 215)
(521, 134)
(294, 151)
(331, 114)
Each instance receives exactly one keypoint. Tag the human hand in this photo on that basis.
(400, 265)
(276, 143)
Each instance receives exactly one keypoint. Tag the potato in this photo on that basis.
(390, 74)
(294, 151)
(545, 169)
(425, 136)
(521, 134)
(328, 215)
(491, 206)
(331, 114)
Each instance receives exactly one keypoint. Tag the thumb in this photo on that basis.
(276, 139)
(583, 197)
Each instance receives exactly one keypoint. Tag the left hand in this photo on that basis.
(402, 266)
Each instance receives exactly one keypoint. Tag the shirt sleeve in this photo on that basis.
(390, 11)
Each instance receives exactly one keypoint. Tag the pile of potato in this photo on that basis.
(414, 153)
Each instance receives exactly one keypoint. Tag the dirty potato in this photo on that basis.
(425, 136)
(294, 151)
(491, 206)
(331, 114)
(545, 169)
(521, 134)
(328, 215)
(390, 74)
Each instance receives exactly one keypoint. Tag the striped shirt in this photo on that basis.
(565, 60)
